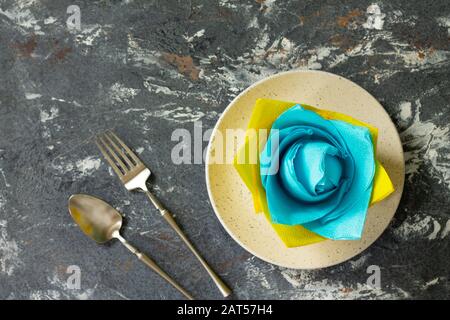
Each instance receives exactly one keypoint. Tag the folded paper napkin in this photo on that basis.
(316, 174)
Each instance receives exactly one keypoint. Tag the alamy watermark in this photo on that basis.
(74, 280)
(73, 22)
(190, 147)
(374, 280)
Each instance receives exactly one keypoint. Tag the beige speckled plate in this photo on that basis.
(232, 201)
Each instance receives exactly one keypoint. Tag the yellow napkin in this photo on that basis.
(265, 112)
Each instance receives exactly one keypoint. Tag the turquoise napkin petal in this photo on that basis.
(347, 227)
(318, 173)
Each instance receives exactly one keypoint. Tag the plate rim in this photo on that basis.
(207, 173)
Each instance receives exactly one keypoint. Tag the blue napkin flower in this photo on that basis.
(318, 173)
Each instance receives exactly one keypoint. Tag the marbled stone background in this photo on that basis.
(146, 68)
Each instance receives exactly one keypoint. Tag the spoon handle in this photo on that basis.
(171, 221)
(152, 265)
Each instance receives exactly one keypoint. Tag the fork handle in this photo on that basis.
(171, 221)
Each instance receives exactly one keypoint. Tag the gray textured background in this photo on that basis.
(148, 67)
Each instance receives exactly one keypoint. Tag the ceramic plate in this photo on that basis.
(232, 201)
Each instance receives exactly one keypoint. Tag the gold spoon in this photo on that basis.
(101, 222)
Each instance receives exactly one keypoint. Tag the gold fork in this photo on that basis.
(134, 175)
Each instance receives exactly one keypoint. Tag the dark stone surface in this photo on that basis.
(146, 68)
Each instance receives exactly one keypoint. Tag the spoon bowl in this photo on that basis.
(96, 218)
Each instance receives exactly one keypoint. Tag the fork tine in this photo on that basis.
(108, 158)
(128, 150)
(119, 151)
(119, 161)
